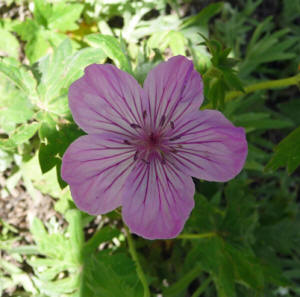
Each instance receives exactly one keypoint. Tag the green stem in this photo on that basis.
(196, 236)
(135, 258)
(202, 288)
(270, 84)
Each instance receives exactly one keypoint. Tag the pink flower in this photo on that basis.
(144, 144)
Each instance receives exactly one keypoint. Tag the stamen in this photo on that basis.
(162, 120)
(144, 114)
(135, 126)
(172, 124)
(163, 159)
(126, 142)
(175, 138)
(135, 156)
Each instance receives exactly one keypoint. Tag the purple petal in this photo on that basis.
(173, 88)
(208, 146)
(157, 200)
(96, 167)
(106, 99)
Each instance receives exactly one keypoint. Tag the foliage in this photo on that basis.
(242, 237)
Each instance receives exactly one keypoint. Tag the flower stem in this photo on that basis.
(270, 84)
(196, 236)
(135, 258)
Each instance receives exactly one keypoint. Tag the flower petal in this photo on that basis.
(96, 167)
(157, 200)
(208, 146)
(106, 99)
(173, 89)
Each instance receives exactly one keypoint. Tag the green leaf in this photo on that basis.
(42, 11)
(267, 46)
(108, 275)
(213, 258)
(60, 287)
(7, 145)
(55, 140)
(38, 230)
(111, 48)
(46, 183)
(59, 70)
(54, 245)
(37, 46)
(27, 29)
(57, 16)
(9, 44)
(159, 40)
(202, 18)
(64, 17)
(260, 120)
(287, 153)
(17, 110)
(15, 107)
(52, 69)
(24, 133)
(34, 34)
(20, 77)
(177, 43)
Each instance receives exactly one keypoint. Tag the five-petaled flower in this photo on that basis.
(144, 144)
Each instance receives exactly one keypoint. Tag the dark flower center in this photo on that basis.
(153, 140)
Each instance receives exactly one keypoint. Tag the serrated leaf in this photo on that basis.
(110, 276)
(37, 46)
(20, 77)
(42, 11)
(24, 133)
(64, 17)
(59, 70)
(51, 68)
(201, 19)
(111, 48)
(26, 29)
(53, 245)
(287, 153)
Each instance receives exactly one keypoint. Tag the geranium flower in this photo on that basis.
(145, 144)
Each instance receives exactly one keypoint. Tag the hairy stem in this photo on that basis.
(270, 84)
(196, 236)
(135, 258)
